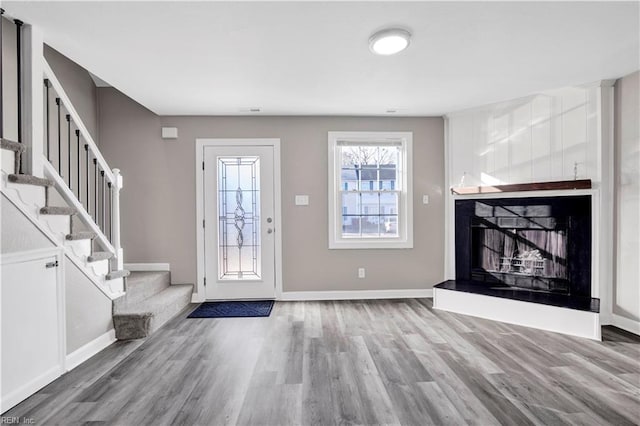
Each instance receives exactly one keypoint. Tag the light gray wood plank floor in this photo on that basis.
(349, 362)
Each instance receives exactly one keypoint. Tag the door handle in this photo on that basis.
(269, 231)
(52, 264)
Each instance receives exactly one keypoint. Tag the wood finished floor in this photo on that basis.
(352, 362)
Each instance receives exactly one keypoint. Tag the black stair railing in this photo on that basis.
(88, 186)
(95, 189)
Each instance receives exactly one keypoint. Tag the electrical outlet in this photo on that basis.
(361, 273)
(425, 199)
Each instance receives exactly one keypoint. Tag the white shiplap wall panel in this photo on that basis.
(533, 139)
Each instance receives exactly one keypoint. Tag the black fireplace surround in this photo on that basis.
(531, 249)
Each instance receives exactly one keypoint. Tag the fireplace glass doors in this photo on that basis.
(540, 244)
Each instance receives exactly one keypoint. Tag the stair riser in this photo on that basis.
(58, 225)
(99, 268)
(32, 197)
(132, 325)
(115, 286)
(80, 248)
(160, 318)
(138, 290)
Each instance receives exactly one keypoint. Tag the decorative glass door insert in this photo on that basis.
(239, 203)
(239, 248)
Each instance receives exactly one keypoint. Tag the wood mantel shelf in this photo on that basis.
(519, 187)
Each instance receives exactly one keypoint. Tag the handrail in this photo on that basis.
(55, 83)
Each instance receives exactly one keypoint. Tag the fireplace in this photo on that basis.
(535, 249)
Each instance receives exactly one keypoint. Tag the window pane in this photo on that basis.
(371, 226)
(388, 176)
(389, 200)
(351, 203)
(351, 214)
(359, 155)
(370, 203)
(349, 179)
(389, 226)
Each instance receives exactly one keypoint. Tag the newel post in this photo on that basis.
(115, 214)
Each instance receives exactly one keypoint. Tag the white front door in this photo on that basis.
(239, 221)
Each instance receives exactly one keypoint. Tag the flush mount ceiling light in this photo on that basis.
(389, 41)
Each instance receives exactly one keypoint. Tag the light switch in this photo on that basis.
(302, 200)
(425, 199)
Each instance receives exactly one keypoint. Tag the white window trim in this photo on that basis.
(405, 204)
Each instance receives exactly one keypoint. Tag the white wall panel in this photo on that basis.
(533, 139)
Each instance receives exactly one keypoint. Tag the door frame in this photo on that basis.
(201, 143)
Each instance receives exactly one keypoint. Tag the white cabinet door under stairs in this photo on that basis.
(32, 324)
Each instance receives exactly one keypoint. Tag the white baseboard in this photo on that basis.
(25, 391)
(632, 326)
(534, 315)
(85, 352)
(146, 267)
(355, 294)
(195, 298)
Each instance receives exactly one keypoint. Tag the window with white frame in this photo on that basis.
(370, 187)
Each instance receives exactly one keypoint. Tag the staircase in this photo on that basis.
(72, 196)
(32, 195)
(149, 302)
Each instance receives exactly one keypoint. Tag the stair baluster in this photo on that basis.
(95, 190)
(19, 24)
(79, 161)
(103, 200)
(59, 138)
(68, 118)
(110, 212)
(86, 150)
(47, 118)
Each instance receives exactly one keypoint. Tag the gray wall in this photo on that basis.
(627, 207)
(159, 200)
(78, 85)
(18, 233)
(88, 309)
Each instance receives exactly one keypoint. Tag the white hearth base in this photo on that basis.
(544, 317)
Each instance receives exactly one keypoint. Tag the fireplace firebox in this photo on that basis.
(538, 245)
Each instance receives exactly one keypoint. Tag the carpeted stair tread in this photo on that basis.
(58, 210)
(99, 255)
(156, 302)
(143, 285)
(117, 274)
(137, 320)
(12, 146)
(29, 180)
(81, 236)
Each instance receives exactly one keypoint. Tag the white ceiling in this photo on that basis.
(312, 58)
